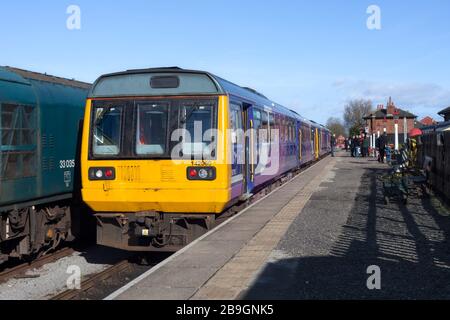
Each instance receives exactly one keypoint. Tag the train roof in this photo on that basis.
(201, 83)
(20, 76)
(441, 126)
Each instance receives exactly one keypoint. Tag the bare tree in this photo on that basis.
(355, 111)
(336, 126)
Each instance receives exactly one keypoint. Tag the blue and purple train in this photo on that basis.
(150, 186)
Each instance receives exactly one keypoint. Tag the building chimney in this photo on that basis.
(390, 107)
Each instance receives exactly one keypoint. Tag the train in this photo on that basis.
(40, 127)
(153, 187)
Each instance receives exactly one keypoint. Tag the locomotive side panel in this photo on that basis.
(61, 113)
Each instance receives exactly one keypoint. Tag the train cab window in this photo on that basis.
(198, 121)
(152, 121)
(107, 130)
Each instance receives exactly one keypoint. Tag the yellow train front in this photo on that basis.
(164, 152)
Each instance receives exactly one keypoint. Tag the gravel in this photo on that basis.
(51, 279)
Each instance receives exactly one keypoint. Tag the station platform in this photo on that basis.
(313, 238)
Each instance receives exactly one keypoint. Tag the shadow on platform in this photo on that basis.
(411, 245)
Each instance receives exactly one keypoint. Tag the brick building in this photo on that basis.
(428, 121)
(386, 118)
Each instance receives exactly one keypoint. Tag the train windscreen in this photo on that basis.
(154, 129)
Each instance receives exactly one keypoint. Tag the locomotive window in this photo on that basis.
(152, 129)
(107, 130)
(197, 121)
(18, 141)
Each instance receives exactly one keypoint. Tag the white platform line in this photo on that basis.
(130, 284)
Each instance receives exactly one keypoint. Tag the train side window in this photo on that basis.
(265, 126)
(291, 132)
(257, 119)
(18, 157)
(272, 126)
(107, 124)
(236, 125)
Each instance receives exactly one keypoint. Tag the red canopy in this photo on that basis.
(415, 132)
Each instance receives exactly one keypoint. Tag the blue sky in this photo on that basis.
(312, 56)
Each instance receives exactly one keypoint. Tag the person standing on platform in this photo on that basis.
(365, 148)
(357, 146)
(352, 146)
(377, 148)
(382, 143)
(333, 144)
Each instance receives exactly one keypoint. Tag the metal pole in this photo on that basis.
(374, 145)
(396, 136)
(405, 130)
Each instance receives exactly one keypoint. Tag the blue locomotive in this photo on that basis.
(40, 119)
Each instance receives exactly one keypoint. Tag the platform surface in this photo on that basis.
(313, 238)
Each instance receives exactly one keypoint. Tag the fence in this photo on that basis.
(435, 147)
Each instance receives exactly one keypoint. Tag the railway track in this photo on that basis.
(94, 281)
(20, 271)
(100, 285)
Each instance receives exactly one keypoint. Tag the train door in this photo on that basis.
(300, 143)
(249, 175)
(320, 141)
(238, 175)
(317, 143)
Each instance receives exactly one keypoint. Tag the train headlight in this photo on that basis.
(102, 174)
(99, 174)
(201, 173)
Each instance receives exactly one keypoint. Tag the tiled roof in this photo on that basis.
(382, 113)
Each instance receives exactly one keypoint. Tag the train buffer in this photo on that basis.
(327, 234)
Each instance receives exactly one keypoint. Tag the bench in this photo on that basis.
(404, 179)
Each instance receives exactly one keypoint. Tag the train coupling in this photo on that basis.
(146, 226)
